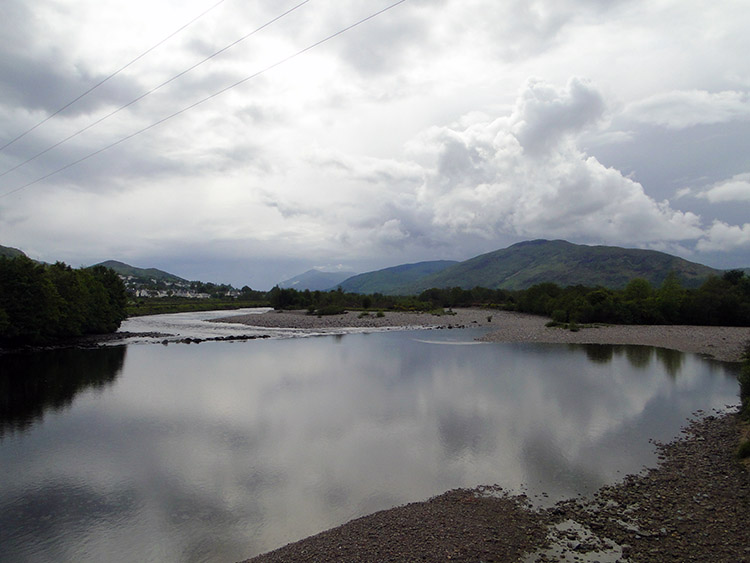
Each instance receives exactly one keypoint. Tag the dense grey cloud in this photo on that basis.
(436, 130)
(544, 115)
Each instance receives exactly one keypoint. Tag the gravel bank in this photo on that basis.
(460, 525)
(721, 343)
(694, 506)
(725, 343)
(389, 319)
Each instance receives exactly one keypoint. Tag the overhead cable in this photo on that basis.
(152, 90)
(206, 99)
(115, 73)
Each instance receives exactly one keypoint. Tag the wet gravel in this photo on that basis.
(694, 506)
(460, 525)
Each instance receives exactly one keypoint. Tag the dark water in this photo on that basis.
(219, 451)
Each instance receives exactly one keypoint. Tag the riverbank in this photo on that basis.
(722, 343)
(694, 506)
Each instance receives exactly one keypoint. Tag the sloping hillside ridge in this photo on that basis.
(144, 274)
(10, 252)
(316, 280)
(390, 280)
(528, 263)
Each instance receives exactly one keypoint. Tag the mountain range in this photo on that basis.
(517, 267)
(528, 263)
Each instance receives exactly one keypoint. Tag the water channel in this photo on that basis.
(222, 450)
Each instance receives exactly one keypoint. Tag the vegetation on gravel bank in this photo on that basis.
(720, 301)
(163, 305)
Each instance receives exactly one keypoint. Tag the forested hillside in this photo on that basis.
(525, 264)
(142, 274)
(10, 252)
(41, 303)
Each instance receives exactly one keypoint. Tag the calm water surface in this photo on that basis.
(219, 451)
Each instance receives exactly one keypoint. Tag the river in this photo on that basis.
(222, 450)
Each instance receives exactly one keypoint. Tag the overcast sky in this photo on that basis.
(440, 129)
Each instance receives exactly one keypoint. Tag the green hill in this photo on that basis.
(528, 263)
(389, 280)
(142, 274)
(9, 252)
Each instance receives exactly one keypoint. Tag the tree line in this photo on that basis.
(721, 301)
(42, 303)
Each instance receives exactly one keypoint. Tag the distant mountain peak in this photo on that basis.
(316, 280)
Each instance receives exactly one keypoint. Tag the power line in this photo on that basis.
(206, 99)
(115, 73)
(152, 90)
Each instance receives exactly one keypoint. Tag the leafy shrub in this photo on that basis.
(559, 316)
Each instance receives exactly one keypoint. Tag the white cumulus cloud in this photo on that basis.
(525, 175)
(736, 189)
(724, 237)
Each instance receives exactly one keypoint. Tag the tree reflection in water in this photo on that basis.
(640, 357)
(32, 384)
